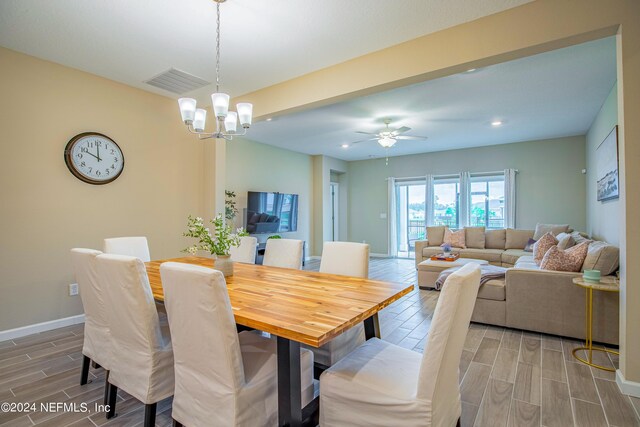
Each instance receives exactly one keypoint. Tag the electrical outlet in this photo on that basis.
(73, 289)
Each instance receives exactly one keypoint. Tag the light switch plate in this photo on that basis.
(73, 289)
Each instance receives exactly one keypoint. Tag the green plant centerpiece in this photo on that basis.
(218, 244)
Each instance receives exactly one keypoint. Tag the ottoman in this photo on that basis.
(429, 270)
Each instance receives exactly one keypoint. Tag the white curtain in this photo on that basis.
(429, 200)
(392, 221)
(510, 198)
(465, 199)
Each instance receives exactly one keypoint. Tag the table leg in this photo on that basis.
(289, 383)
(372, 327)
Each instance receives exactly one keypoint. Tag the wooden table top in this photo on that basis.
(304, 306)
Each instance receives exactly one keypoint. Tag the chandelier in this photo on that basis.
(195, 118)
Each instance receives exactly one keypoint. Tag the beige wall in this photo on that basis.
(602, 217)
(550, 185)
(46, 211)
(532, 28)
(259, 167)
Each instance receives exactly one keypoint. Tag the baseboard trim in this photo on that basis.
(631, 388)
(23, 331)
(375, 255)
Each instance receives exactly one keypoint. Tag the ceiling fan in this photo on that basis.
(388, 136)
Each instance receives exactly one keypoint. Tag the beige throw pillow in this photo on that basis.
(474, 237)
(565, 241)
(454, 238)
(435, 235)
(555, 229)
(517, 239)
(541, 247)
(602, 256)
(570, 260)
(495, 239)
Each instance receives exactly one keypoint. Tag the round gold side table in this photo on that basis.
(607, 284)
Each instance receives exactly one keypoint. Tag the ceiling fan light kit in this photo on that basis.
(195, 118)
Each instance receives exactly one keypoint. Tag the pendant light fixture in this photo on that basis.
(226, 121)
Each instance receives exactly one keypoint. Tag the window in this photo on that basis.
(446, 203)
(487, 201)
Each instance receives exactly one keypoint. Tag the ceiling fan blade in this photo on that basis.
(366, 133)
(410, 137)
(403, 129)
(363, 140)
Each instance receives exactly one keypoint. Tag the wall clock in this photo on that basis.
(94, 158)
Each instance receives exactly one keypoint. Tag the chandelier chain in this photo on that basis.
(217, 47)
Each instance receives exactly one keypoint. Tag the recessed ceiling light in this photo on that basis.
(496, 123)
(345, 145)
(269, 119)
(470, 70)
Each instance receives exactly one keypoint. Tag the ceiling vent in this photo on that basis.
(177, 81)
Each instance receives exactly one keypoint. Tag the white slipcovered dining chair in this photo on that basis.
(285, 253)
(246, 252)
(222, 378)
(142, 357)
(381, 383)
(96, 330)
(345, 259)
(131, 246)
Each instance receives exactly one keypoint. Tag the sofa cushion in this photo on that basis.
(430, 251)
(541, 247)
(565, 241)
(491, 255)
(493, 290)
(602, 256)
(517, 239)
(526, 264)
(435, 235)
(555, 229)
(570, 260)
(579, 237)
(474, 237)
(495, 239)
(511, 256)
(454, 238)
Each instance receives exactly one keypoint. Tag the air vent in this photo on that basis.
(177, 81)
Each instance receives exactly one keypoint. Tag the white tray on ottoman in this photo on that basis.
(429, 270)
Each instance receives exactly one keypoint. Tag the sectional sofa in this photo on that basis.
(533, 299)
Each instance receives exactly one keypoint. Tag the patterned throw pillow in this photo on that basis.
(454, 238)
(569, 260)
(542, 246)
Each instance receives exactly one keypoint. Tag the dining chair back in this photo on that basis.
(223, 378)
(142, 354)
(285, 253)
(246, 252)
(131, 246)
(438, 381)
(96, 346)
(345, 258)
(208, 362)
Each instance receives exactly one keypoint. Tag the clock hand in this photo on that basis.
(91, 154)
(98, 152)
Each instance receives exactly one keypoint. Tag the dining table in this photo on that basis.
(296, 306)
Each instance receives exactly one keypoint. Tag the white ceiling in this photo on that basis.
(553, 94)
(263, 41)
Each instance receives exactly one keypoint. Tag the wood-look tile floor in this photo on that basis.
(508, 377)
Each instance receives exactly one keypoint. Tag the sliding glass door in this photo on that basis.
(410, 216)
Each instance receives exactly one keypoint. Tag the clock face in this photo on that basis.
(94, 158)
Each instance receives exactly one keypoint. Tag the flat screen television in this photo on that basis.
(271, 212)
